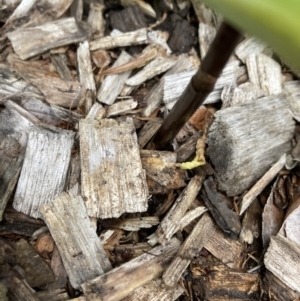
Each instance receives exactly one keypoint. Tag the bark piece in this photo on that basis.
(224, 217)
(147, 132)
(9, 171)
(171, 222)
(189, 250)
(108, 95)
(113, 180)
(37, 272)
(160, 168)
(154, 97)
(45, 37)
(155, 291)
(251, 226)
(129, 19)
(265, 72)
(44, 172)
(245, 140)
(120, 282)
(261, 184)
(136, 37)
(121, 107)
(175, 84)
(85, 67)
(282, 260)
(155, 67)
(226, 249)
(250, 46)
(82, 253)
(59, 60)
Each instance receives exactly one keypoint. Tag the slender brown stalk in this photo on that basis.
(201, 84)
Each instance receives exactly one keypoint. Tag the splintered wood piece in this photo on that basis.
(97, 112)
(160, 168)
(120, 40)
(172, 221)
(108, 95)
(156, 291)
(155, 67)
(59, 294)
(226, 249)
(227, 285)
(44, 172)
(68, 94)
(155, 95)
(250, 46)
(224, 217)
(85, 67)
(203, 13)
(187, 148)
(232, 96)
(82, 253)
(160, 38)
(96, 18)
(37, 272)
(206, 35)
(251, 226)
(191, 215)
(9, 171)
(45, 37)
(245, 140)
(277, 289)
(76, 9)
(59, 61)
(120, 282)
(121, 107)
(265, 72)
(293, 89)
(149, 129)
(135, 224)
(113, 180)
(282, 260)
(189, 250)
(262, 183)
(175, 84)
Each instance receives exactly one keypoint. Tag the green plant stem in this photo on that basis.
(201, 84)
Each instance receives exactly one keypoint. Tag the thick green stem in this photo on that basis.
(201, 84)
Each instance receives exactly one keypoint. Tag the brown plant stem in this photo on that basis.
(201, 84)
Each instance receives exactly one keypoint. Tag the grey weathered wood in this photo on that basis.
(120, 40)
(135, 224)
(245, 140)
(175, 84)
(44, 172)
(59, 60)
(206, 35)
(203, 13)
(189, 249)
(80, 248)
(96, 18)
(155, 67)
(45, 37)
(121, 107)
(113, 84)
(120, 282)
(155, 291)
(282, 259)
(191, 215)
(85, 67)
(293, 89)
(171, 222)
(113, 181)
(262, 183)
(148, 130)
(155, 95)
(249, 46)
(76, 9)
(265, 72)
(9, 171)
(97, 111)
(160, 37)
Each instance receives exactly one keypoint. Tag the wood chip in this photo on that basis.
(122, 281)
(121, 107)
(113, 181)
(206, 35)
(147, 132)
(44, 172)
(45, 37)
(282, 260)
(82, 253)
(108, 95)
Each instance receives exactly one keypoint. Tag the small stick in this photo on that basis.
(201, 84)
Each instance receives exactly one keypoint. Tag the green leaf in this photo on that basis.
(277, 22)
